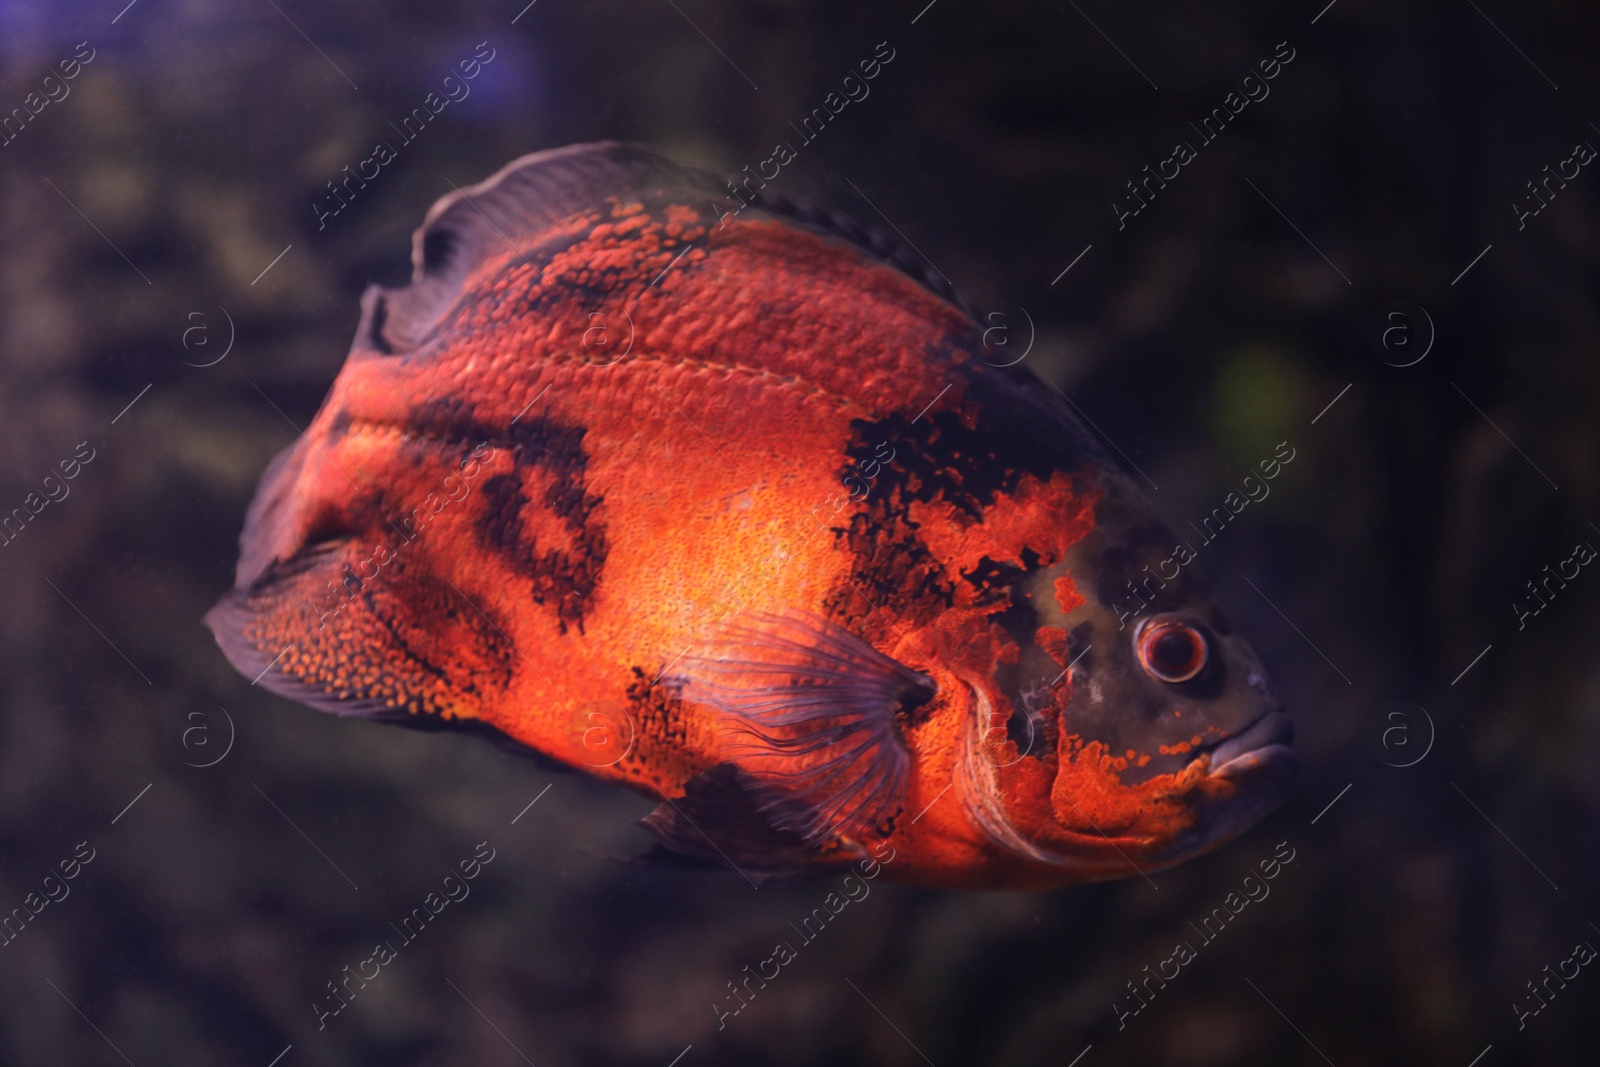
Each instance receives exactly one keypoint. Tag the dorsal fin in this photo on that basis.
(509, 211)
(526, 202)
(869, 240)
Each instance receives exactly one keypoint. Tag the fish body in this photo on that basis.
(707, 496)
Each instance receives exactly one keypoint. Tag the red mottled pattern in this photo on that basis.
(627, 492)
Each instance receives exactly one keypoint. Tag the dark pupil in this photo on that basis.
(1174, 652)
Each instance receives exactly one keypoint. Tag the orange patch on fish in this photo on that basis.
(1067, 596)
(1011, 524)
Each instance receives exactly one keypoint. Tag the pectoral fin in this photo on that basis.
(811, 710)
(718, 822)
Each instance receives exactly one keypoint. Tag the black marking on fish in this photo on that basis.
(937, 459)
(995, 581)
(376, 318)
(894, 568)
(500, 520)
(1080, 648)
(1020, 620)
(1024, 728)
(560, 578)
(338, 426)
(1124, 559)
(659, 717)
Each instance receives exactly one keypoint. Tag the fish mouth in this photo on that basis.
(1259, 766)
(1260, 748)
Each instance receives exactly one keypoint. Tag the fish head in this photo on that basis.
(1127, 726)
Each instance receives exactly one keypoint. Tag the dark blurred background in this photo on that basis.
(141, 206)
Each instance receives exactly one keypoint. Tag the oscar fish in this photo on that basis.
(717, 495)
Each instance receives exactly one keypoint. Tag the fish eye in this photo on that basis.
(1171, 651)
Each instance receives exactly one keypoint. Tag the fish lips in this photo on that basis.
(1259, 764)
(1261, 749)
(1260, 767)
